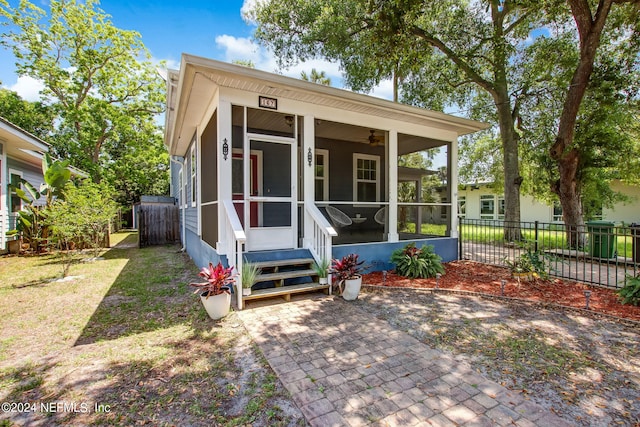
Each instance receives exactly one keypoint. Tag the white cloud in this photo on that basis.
(383, 90)
(28, 88)
(239, 48)
(246, 7)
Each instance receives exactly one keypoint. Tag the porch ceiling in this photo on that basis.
(199, 78)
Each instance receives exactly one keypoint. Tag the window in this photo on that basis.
(487, 207)
(501, 207)
(557, 211)
(14, 200)
(366, 178)
(462, 206)
(322, 175)
(193, 174)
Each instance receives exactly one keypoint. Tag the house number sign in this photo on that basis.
(270, 103)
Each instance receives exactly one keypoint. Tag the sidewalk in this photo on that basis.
(343, 367)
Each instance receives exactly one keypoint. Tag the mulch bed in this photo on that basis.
(472, 276)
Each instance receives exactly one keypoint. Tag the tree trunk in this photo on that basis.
(512, 178)
(563, 151)
(568, 190)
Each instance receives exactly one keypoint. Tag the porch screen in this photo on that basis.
(209, 182)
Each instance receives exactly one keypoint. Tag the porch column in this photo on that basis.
(393, 187)
(224, 166)
(419, 200)
(453, 186)
(308, 174)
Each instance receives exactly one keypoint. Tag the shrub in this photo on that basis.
(417, 263)
(630, 293)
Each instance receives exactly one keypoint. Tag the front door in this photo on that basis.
(272, 218)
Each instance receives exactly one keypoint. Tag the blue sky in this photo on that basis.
(212, 29)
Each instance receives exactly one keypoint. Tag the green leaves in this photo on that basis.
(99, 79)
(630, 293)
(417, 263)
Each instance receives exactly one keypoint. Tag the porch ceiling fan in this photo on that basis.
(375, 140)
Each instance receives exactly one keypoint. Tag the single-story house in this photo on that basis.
(480, 201)
(20, 157)
(267, 167)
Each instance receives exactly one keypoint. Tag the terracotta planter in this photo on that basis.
(352, 288)
(217, 306)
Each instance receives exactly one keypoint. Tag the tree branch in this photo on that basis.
(442, 47)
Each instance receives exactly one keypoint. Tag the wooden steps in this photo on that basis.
(286, 291)
(280, 278)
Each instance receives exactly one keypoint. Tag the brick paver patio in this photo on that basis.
(343, 367)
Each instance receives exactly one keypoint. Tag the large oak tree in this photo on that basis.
(468, 54)
(97, 77)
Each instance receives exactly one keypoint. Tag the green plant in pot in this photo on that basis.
(347, 272)
(248, 276)
(215, 293)
(322, 270)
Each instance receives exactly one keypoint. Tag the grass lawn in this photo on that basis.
(125, 342)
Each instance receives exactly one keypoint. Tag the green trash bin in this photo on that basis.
(601, 239)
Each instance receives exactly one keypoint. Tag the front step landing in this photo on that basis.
(284, 277)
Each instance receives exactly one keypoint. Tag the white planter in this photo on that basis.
(246, 291)
(217, 306)
(352, 288)
(323, 280)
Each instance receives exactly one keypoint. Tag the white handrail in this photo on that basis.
(319, 243)
(234, 239)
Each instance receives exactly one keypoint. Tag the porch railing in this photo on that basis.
(319, 242)
(234, 239)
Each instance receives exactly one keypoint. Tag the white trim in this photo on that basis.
(260, 237)
(21, 175)
(193, 174)
(452, 180)
(4, 218)
(198, 144)
(180, 188)
(362, 156)
(325, 176)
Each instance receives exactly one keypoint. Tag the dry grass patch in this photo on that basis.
(126, 342)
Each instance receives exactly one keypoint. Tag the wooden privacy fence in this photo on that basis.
(158, 224)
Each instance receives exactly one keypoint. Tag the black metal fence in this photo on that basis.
(599, 253)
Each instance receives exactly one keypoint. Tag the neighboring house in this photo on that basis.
(20, 157)
(266, 164)
(480, 201)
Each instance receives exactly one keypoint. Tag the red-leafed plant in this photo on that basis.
(349, 267)
(218, 280)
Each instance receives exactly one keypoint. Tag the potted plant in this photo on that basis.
(521, 268)
(248, 276)
(322, 269)
(348, 274)
(215, 292)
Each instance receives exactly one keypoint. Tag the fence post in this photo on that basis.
(535, 243)
(459, 238)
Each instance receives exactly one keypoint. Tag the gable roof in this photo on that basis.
(191, 90)
(20, 144)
